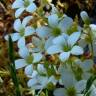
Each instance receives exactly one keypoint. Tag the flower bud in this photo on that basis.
(85, 17)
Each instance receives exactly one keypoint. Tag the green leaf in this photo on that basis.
(10, 50)
(12, 67)
(89, 83)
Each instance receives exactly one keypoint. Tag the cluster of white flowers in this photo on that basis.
(53, 39)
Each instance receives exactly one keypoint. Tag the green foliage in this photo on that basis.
(89, 84)
(12, 67)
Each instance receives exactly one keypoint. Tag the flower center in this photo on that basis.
(71, 91)
(29, 59)
(56, 31)
(26, 3)
(66, 48)
(22, 32)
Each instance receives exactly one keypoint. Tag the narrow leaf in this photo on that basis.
(12, 67)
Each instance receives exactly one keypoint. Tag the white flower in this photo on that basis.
(41, 69)
(68, 81)
(31, 72)
(27, 58)
(22, 31)
(38, 79)
(71, 84)
(40, 82)
(55, 26)
(40, 45)
(67, 76)
(65, 45)
(22, 5)
(86, 66)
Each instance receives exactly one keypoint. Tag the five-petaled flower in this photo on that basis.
(56, 26)
(22, 31)
(65, 45)
(72, 87)
(22, 5)
(39, 78)
(27, 58)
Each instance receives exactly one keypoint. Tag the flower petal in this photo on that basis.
(60, 92)
(38, 83)
(17, 25)
(54, 49)
(93, 27)
(18, 4)
(80, 86)
(26, 20)
(21, 42)
(53, 20)
(43, 81)
(76, 50)
(67, 76)
(93, 92)
(24, 52)
(14, 36)
(64, 56)
(20, 63)
(31, 8)
(19, 12)
(34, 74)
(73, 38)
(29, 31)
(37, 57)
(32, 82)
(65, 24)
(52, 79)
(86, 65)
(86, 75)
(48, 43)
(29, 70)
(41, 69)
(43, 31)
(60, 40)
(31, 1)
